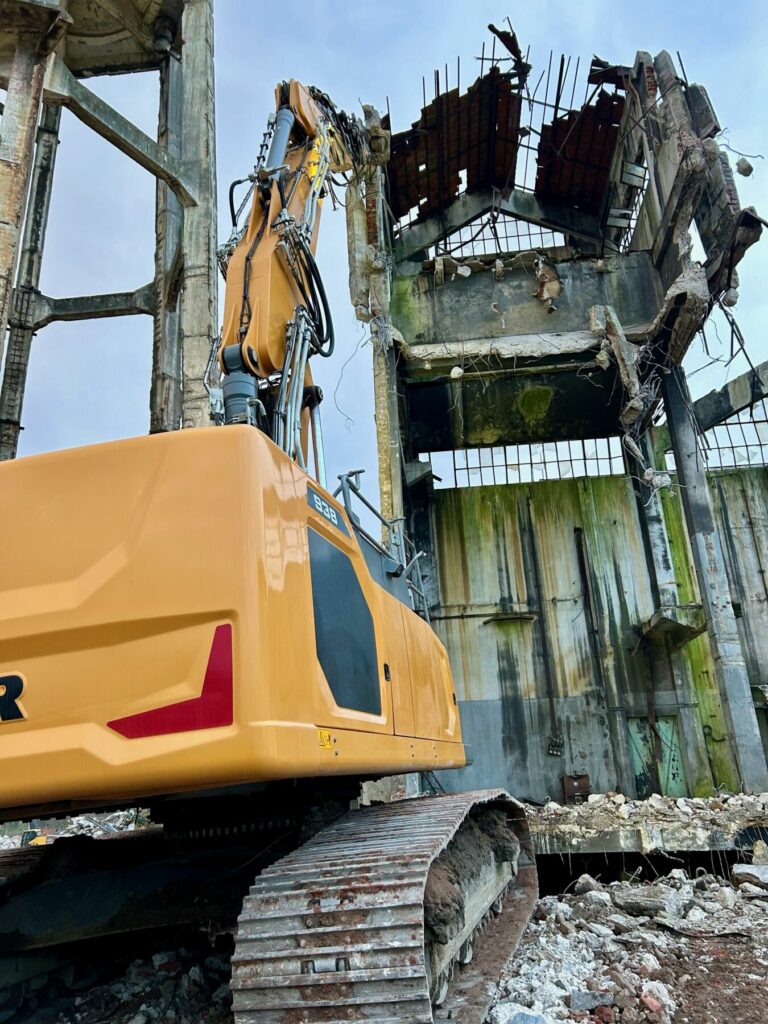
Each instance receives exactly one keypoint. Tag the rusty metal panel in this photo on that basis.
(475, 135)
(656, 757)
(575, 154)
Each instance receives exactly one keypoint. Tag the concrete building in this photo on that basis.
(47, 49)
(598, 581)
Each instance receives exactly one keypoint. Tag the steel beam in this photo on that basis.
(728, 657)
(22, 327)
(62, 87)
(522, 205)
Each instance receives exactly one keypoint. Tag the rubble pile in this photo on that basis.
(103, 824)
(705, 823)
(679, 949)
(181, 986)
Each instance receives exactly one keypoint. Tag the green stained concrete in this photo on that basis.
(698, 655)
(604, 507)
(534, 403)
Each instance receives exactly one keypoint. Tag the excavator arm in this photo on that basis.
(276, 314)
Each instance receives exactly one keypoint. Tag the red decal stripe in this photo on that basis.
(211, 709)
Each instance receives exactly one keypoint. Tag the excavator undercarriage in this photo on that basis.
(396, 912)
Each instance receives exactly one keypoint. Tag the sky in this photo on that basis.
(89, 381)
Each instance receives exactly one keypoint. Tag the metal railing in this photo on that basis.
(397, 547)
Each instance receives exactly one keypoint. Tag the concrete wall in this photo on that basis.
(543, 589)
(462, 309)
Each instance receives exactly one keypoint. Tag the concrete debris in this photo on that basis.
(603, 359)
(659, 822)
(550, 286)
(178, 986)
(744, 167)
(456, 373)
(651, 900)
(754, 874)
(753, 891)
(641, 964)
(102, 824)
(513, 1013)
(656, 479)
(684, 310)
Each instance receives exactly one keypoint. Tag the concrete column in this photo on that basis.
(17, 139)
(652, 518)
(386, 401)
(387, 427)
(165, 394)
(27, 282)
(198, 313)
(709, 563)
(664, 658)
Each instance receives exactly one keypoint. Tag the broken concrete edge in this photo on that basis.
(682, 313)
(732, 398)
(614, 823)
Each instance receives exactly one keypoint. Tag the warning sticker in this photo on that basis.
(324, 738)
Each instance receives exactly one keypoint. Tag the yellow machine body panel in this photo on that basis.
(188, 611)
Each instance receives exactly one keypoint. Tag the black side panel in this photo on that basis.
(379, 566)
(346, 644)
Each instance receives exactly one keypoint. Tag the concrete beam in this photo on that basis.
(94, 307)
(44, 20)
(492, 353)
(27, 282)
(732, 398)
(605, 325)
(727, 654)
(522, 205)
(62, 87)
(685, 158)
(680, 206)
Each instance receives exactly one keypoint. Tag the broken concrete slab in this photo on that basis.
(753, 874)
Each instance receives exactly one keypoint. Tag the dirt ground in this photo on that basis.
(726, 981)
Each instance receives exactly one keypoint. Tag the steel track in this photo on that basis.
(335, 931)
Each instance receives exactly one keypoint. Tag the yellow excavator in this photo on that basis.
(193, 623)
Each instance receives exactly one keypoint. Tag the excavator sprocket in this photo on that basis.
(336, 931)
